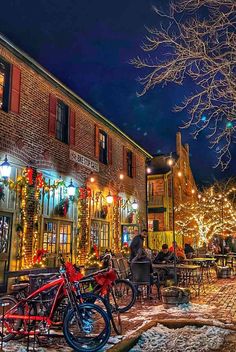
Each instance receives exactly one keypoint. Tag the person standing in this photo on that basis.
(137, 243)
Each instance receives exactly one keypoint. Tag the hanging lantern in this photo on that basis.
(134, 205)
(109, 198)
(5, 168)
(71, 189)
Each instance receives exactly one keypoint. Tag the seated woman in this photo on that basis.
(178, 251)
(188, 250)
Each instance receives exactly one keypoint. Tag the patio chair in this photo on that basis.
(141, 275)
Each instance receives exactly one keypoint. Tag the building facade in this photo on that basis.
(76, 180)
(161, 196)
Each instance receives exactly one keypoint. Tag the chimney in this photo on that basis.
(178, 143)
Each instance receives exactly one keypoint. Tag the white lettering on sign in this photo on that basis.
(83, 160)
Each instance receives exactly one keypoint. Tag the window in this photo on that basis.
(100, 234)
(4, 84)
(102, 147)
(129, 163)
(62, 122)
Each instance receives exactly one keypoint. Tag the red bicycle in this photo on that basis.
(86, 326)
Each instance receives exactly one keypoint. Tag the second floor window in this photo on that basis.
(62, 122)
(4, 84)
(103, 147)
(129, 163)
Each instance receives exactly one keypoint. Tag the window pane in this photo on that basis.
(62, 122)
(102, 147)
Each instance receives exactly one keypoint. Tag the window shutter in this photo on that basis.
(15, 89)
(134, 165)
(109, 150)
(96, 141)
(125, 160)
(72, 127)
(52, 115)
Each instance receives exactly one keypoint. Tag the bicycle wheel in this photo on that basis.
(125, 294)
(9, 324)
(89, 330)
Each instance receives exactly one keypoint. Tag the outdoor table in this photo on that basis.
(222, 258)
(205, 264)
(189, 275)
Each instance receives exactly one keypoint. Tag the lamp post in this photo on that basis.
(170, 163)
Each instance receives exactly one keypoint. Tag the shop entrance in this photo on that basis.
(5, 246)
(57, 239)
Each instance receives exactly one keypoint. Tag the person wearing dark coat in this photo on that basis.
(164, 256)
(137, 243)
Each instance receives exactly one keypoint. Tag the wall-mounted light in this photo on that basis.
(109, 198)
(149, 170)
(5, 168)
(121, 176)
(179, 173)
(134, 205)
(71, 189)
(92, 179)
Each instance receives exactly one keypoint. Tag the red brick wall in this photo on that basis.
(25, 136)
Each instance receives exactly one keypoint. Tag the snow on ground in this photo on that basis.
(187, 339)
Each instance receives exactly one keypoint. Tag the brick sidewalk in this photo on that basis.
(217, 302)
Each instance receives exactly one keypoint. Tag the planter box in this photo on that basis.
(223, 272)
(174, 296)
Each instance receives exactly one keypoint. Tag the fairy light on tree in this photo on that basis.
(200, 48)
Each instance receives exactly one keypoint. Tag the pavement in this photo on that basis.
(216, 306)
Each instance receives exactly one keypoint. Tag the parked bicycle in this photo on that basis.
(86, 326)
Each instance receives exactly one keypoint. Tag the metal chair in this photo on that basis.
(141, 275)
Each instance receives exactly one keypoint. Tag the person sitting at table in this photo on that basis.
(164, 256)
(178, 251)
(216, 249)
(188, 250)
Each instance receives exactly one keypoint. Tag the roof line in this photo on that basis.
(45, 73)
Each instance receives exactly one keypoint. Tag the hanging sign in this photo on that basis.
(83, 160)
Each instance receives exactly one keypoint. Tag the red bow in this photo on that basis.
(38, 256)
(105, 280)
(73, 274)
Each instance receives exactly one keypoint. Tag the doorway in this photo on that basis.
(5, 247)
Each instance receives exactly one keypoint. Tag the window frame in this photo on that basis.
(62, 112)
(6, 85)
(129, 163)
(103, 151)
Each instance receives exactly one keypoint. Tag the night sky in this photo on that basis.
(87, 44)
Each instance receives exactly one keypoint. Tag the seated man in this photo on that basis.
(164, 256)
(188, 250)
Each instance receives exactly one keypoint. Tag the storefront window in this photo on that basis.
(100, 234)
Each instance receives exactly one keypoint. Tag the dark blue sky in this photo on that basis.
(87, 44)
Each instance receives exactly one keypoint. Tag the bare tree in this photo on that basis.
(212, 213)
(198, 40)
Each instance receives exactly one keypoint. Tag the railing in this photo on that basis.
(155, 200)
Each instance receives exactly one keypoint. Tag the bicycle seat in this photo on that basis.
(19, 287)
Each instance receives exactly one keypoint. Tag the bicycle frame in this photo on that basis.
(64, 288)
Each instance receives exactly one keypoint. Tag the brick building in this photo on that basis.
(160, 195)
(57, 144)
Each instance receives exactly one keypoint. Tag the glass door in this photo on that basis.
(5, 245)
(57, 239)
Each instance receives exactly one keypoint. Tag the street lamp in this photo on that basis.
(134, 205)
(109, 198)
(170, 163)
